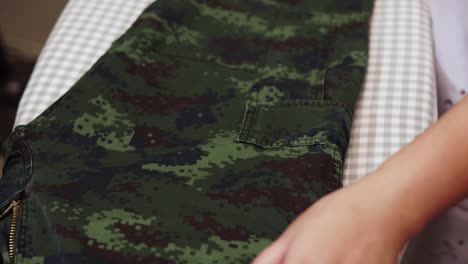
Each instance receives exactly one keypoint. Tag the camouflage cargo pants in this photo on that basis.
(197, 138)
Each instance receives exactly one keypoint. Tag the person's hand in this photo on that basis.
(354, 225)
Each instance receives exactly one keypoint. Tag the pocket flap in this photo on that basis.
(296, 123)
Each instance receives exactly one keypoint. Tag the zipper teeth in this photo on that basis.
(14, 221)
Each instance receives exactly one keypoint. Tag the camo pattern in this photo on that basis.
(197, 138)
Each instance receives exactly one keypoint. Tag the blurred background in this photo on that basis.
(24, 27)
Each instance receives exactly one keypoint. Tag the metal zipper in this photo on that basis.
(14, 208)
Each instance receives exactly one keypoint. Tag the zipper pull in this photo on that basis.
(10, 208)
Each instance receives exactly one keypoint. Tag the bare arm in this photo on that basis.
(430, 174)
(371, 220)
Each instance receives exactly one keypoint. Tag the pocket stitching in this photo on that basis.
(246, 131)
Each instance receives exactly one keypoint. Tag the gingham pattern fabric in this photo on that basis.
(399, 98)
(397, 103)
(82, 34)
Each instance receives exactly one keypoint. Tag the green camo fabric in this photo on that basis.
(197, 138)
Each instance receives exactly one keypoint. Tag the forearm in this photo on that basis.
(428, 175)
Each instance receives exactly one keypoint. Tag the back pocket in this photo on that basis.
(300, 145)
